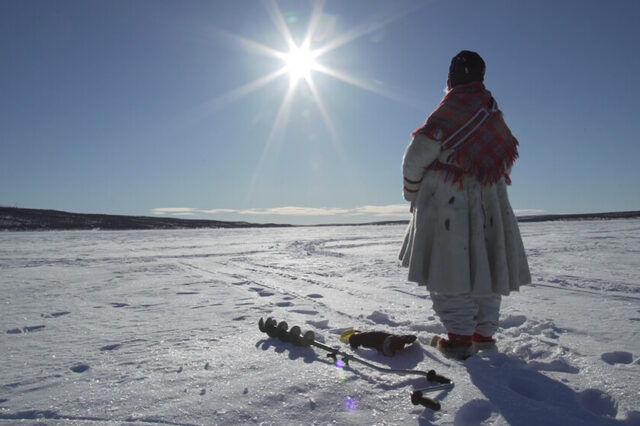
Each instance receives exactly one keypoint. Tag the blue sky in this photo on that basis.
(157, 107)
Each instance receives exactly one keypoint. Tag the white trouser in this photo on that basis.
(466, 315)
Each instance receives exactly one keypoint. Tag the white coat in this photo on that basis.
(459, 241)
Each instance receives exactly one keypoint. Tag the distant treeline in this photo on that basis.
(582, 216)
(19, 219)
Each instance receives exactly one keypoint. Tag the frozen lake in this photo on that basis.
(160, 327)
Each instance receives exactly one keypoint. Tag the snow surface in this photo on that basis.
(160, 327)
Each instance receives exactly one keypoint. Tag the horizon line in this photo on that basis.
(390, 210)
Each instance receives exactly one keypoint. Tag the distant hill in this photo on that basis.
(582, 216)
(536, 218)
(18, 219)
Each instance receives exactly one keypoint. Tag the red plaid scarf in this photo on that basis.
(488, 152)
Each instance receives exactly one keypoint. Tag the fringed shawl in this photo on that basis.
(468, 122)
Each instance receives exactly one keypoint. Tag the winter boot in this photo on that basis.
(455, 346)
(483, 343)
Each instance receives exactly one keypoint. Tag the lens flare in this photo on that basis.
(350, 404)
(290, 17)
(340, 365)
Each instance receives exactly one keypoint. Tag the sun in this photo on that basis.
(299, 63)
(300, 60)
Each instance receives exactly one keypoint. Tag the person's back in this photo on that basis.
(463, 242)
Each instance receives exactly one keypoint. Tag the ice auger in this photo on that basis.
(280, 330)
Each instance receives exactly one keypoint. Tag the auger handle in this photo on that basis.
(432, 376)
(418, 399)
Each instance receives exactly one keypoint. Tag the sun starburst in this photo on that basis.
(300, 62)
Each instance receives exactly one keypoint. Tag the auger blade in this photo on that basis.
(281, 330)
(261, 325)
(308, 338)
(294, 336)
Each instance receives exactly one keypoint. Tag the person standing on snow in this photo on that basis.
(463, 241)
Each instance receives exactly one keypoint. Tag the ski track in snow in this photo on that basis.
(160, 327)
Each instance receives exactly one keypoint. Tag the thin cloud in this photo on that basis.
(296, 211)
(174, 211)
(394, 210)
(216, 211)
(389, 211)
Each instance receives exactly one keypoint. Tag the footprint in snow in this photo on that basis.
(79, 368)
(617, 357)
(598, 403)
(28, 329)
(55, 314)
(33, 328)
(473, 412)
(261, 292)
(110, 347)
(118, 304)
(284, 304)
(315, 296)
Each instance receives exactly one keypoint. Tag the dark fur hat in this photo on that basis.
(466, 67)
